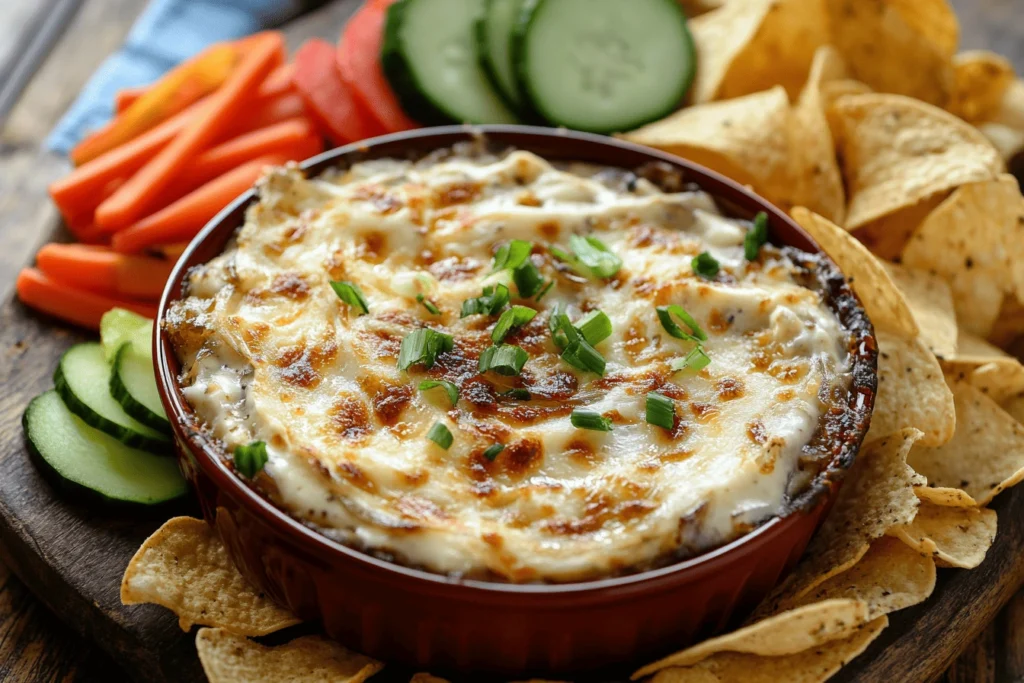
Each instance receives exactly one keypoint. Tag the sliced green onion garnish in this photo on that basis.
(757, 236)
(428, 304)
(661, 410)
(697, 359)
(423, 346)
(492, 451)
(566, 257)
(585, 357)
(665, 314)
(528, 279)
(555, 323)
(597, 257)
(504, 359)
(449, 388)
(441, 435)
(511, 255)
(516, 316)
(545, 290)
(490, 302)
(705, 265)
(517, 394)
(595, 327)
(582, 418)
(351, 294)
(250, 459)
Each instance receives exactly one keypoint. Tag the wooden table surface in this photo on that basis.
(34, 645)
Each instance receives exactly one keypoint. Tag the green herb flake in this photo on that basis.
(581, 418)
(423, 346)
(528, 279)
(602, 262)
(756, 237)
(511, 255)
(705, 265)
(517, 394)
(577, 352)
(696, 360)
(517, 316)
(351, 295)
(441, 435)
(504, 359)
(492, 451)
(665, 314)
(661, 410)
(449, 388)
(490, 302)
(595, 327)
(249, 460)
(543, 292)
(428, 304)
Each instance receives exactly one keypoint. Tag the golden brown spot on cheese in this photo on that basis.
(356, 476)
(492, 539)
(419, 509)
(599, 511)
(730, 388)
(788, 372)
(455, 269)
(350, 418)
(557, 385)
(528, 198)
(550, 229)
(756, 432)
(291, 286)
(458, 193)
(581, 452)
(371, 246)
(521, 457)
(390, 400)
(718, 321)
(301, 365)
(704, 412)
(785, 395)
(635, 341)
(384, 202)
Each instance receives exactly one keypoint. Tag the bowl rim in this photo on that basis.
(312, 541)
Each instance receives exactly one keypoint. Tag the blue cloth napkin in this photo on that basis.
(167, 32)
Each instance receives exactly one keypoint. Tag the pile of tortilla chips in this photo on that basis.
(889, 148)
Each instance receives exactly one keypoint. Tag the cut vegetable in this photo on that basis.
(429, 59)
(493, 45)
(133, 385)
(82, 379)
(90, 463)
(97, 269)
(603, 65)
(38, 290)
(359, 62)
(119, 326)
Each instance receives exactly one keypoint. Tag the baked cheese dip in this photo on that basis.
(495, 367)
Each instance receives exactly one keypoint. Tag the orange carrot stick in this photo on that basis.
(103, 271)
(172, 252)
(180, 87)
(135, 197)
(183, 219)
(45, 294)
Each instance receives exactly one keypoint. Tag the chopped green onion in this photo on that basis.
(545, 290)
(566, 257)
(665, 314)
(661, 410)
(697, 359)
(351, 294)
(511, 255)
(490, 302)
(528, 279)
(757, 236)
(590, 419)
(504, 359)
(441, 435)
(705, 265)
(555, 322)
(249, 460)
(423, 346)
(517, 394)
(593, 253)
(595, 327)
(428, 304)
(516, 316)
(449, 388)
(492, 451)
(577, 350)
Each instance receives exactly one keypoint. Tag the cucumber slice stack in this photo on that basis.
(102, 432)
(602, 66)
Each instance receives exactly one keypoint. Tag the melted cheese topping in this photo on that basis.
(271, 353)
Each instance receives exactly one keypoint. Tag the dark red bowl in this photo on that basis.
(440, 624)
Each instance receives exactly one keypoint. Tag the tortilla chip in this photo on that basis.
(887, 236)
(818, 184)
(746, 47)
(941, 495)
(877, 495)
(1011, 109)
(954, 536)
(933, 19)
(996, 373)
(230, 658)
(1004, 138)
(814, 665)
(184, 567)
(882, 299)
(1014, 407)
(746, 139)
(783, 634)
(1009, 325)
(897, 152)
(970, 240)
(986, 454)
(931, 303)
(884, 50)
(911, 391)
(980, 79)
(890, 577)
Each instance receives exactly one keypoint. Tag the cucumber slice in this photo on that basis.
(429, 58)
(87, 461)
(118, 326)
(493, 45)
(133, 385)
(82, 379)
(603, 65)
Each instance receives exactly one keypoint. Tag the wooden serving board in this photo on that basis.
(72, 557)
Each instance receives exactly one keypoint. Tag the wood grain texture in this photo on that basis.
(35, 646)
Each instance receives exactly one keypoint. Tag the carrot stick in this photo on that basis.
(135, 197)
(103, 271)
(172, 252)
(180, 87)
(183, 219)
(277, 83)
(125, 97)
(45, 294)
(267, 112)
